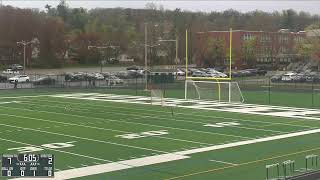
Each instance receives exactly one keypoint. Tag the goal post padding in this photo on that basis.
(225, 91)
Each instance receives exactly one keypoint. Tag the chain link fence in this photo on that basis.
(256, 90)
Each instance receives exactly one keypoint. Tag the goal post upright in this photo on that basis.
(217, 79)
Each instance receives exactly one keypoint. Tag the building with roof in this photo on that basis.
(271, 49)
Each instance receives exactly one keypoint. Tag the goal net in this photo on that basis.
(156, 96)
(213, 90)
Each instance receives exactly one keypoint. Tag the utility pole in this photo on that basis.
(146, 55)
(24, 43)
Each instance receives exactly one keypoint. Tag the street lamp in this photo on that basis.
(24, 43)
(172, 40)
(146, 51)
(102, 47)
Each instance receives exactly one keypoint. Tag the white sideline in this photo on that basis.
(139, 162)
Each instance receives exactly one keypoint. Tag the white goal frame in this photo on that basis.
(229, 83)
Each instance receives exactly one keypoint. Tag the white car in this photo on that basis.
(288, 77)
(10, 71)
(98, 76)
(19, 79)
(113, 80)
(180, 73)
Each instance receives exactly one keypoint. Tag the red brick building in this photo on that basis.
(270, 48)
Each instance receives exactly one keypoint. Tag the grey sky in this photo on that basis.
(207, 6)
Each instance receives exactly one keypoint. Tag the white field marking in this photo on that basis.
(87, 139)
(16, 97)
(110, 167)
(177, 100)
(61, 151)
(202, 123)
(10, 102)
(158, 117)
(223, 162)
(184, 114)
(156, 159)
(241, 143)
(289, 112)
(106, 129)
(113, 120)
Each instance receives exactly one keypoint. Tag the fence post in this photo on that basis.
(269, 89)
(136, 85)
(312, 94)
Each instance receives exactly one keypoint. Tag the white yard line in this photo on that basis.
(144, 161)
(184, 114)
(223, 162)
(83, 138)
(15, 97)
(289, 112)
(105, 129)
(158, 117)
(128, 122)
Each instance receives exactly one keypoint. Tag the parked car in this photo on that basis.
(3, 78)
(75, 77)
(98, 76)
(10, 71)
(179, 72)
(212, 74)
(245, 73)
(289, 77)
(44, 81)
(134, 67)
(276, 78)
(16, 67)
(300, 77)
(114, 80)
(199, 74)
(235, 74)
(19, 79)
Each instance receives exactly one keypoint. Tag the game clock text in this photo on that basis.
(27, 165)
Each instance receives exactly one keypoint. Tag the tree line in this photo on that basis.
(69, 31)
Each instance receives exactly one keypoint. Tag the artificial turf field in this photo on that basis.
(94, 133)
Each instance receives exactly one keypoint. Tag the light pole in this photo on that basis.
(24, 43)
(172, 40)
(102, 47)
(146, 52)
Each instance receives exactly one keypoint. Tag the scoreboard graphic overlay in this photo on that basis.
(27, 165)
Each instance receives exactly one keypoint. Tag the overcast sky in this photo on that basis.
(207, 6)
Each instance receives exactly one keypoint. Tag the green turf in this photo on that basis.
(94, 126)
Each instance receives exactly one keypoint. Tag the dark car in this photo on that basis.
(276, 78)
(44, 81)
(257, 71)
(16, 67)
(134, 67)
(3, 78)
(235, 74)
